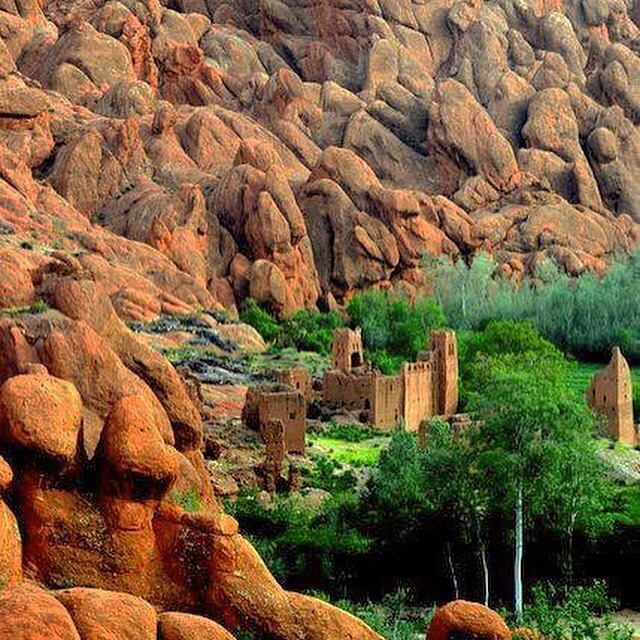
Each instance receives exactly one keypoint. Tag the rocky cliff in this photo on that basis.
(295, 150)
(160, 159)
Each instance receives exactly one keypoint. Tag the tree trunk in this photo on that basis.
(452, 569)
(519, 550)
(485, 574)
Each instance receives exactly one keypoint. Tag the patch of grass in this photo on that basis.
(346, 432)
(392, 617)
(358, 454)
(39, 306)
(180, 355)
(189, 500)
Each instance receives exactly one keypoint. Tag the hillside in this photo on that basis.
(295, 151)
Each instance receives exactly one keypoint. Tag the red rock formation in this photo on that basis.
(293, 151)
(105, 444)
(467, 620)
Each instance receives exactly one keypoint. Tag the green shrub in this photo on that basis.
(310, 331)
(262, 321)
(384, 361)
(346, 432)
(189, 500)
(293, 534)
(393, 618)
(329, 475)
(506, 344)
(582, 613)
(39, 306)
(394, 328)
(305, 330)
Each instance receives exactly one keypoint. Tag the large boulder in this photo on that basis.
(461, 619)
(99, 614)
(10, 543)
(27, 612)
(132, 445)
(465, 141)
(42, 415)
(184, 626)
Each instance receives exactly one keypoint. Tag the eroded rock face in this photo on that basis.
(294, 151)
(104, 444)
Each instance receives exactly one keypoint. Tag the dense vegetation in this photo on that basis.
(524, 487)
(305, 330)
(586, 316)
(393, 328)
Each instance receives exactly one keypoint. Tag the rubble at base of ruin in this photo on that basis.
(423, 389)
(610, 395)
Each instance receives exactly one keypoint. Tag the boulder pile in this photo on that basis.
(295, 150)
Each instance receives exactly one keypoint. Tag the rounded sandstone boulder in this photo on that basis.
(6, 475)
(132, 443)
(463, 619)
(100, 614)
(30, 613)
(10, 549)
(41, 414)
(185, 626)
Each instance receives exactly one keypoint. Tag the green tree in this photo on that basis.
(393, 327)
(455, 489)
(533, 437)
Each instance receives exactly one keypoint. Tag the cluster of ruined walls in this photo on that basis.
(418, 384)
(347, 349)
(351, 391)
(422, 389)
(297, 378)
(387, 402)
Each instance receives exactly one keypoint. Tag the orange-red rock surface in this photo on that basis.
(296, 150)
(100, 444)
(464, 619)
(169, 158)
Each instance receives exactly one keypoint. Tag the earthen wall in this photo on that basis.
(417, 379)
(445, 355)
(610, 394)
(290, 408)
(388, 402)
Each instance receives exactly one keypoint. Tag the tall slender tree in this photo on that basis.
(532, 432)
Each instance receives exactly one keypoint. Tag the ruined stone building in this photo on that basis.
(610, 394)
(282, 403)
(297, 378)
(422, 389)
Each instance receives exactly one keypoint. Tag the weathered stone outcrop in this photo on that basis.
(295, 151)
(104, 443)
(463, 619)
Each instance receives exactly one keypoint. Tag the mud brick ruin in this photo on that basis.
(423, 389)
(610, 394)
(273, 434)
(278, 403)
(297, 378)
